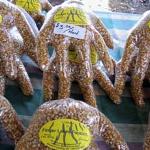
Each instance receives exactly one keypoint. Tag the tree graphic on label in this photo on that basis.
(65, 133)
(29, 5)
(71, 15)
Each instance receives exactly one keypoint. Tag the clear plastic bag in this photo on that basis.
(69, 124)
(9, 121)
(78, 35)
(135, 59)
(18, 37)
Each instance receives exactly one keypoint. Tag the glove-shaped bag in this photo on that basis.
(69, 124)
(71, 27)
(136, 59)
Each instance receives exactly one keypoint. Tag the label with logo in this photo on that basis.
(70, 30)
(74, 58)
(148, 24)
(1, 19)
(65, 134)
(29, 5)
(71, 15)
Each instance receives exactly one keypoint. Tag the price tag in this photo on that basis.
(70, 30)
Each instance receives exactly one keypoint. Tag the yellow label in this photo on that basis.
(65, 134)
(1, 19)
(148, 24)
(94, 55)
(71, 15)
(29, 5)
(74, 58)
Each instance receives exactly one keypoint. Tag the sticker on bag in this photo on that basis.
(71, 15)
(30, 5)
(93, 55)
(70, 30)
(65, 134)
(148, 24)
(1, 19)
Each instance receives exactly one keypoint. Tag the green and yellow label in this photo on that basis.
(148, 24)
(29, 5)
(65, 134)
(74, 58)
(71, 15)
(1, 19)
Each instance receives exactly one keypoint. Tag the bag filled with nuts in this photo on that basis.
(18, 37)
(71, 26)
(147, 137)
(34, 8)
(136, 59)
(9, 121)
(69, 124)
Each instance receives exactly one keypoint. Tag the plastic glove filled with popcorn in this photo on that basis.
(9, 121)
(136, 59)
(69, 124)
(71, 27)
(17, 38)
